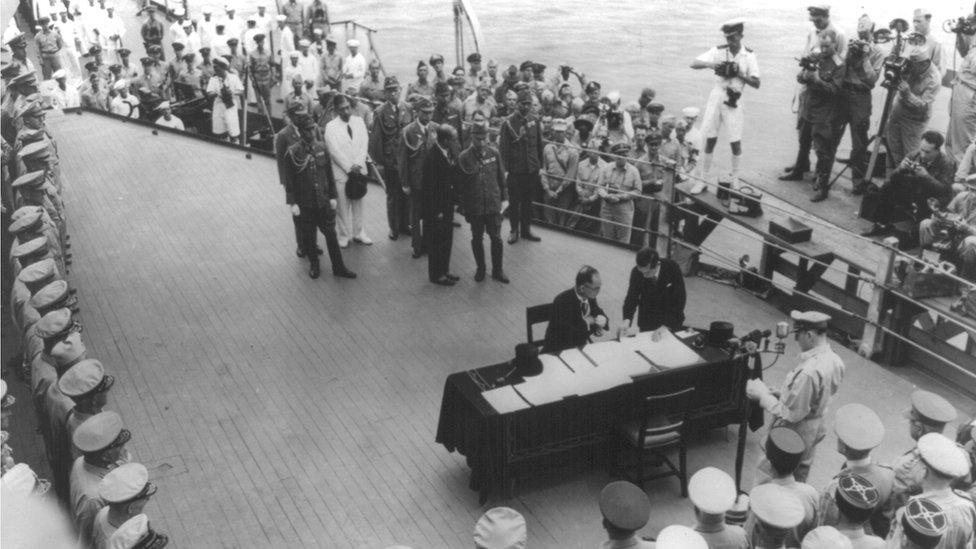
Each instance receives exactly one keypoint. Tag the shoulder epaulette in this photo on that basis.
(962, 494)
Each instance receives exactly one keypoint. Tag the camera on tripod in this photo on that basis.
(727, 69)
(894, 70)
(963, 25)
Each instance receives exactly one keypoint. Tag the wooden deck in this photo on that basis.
(279, 411)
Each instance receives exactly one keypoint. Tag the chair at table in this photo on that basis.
(659, 429)
(536, 314)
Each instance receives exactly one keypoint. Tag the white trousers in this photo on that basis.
(349, 215)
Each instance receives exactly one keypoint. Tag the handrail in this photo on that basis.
(354, 22)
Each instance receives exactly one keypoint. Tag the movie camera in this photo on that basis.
(963, 25)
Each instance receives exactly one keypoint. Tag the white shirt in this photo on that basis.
(353, 70)
(248, 39)
(346, 152)
(232, 82)
(286, 42)
(108, 27)
(69, 33)
(287, 75)
(193, 42)
(102, 529)
(748, 66)
(176, 32)
(125, 106)
(233, 27)
(66, 98)
(309, 66)
(174, 122)
(219, 45)
(207, 31)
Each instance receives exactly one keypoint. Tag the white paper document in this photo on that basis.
(615, 356)
(576, 360)
(667, 352)
(505, 399)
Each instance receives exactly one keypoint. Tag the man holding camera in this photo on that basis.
(823, 80)
(864, 62)
(735, 67)
(954, 230)
(962, 106)
(910, 113)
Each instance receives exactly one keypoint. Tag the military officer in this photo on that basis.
(912, 107)
(137, 534)
(920, 524)
(32, 225)
(823, 84)
(310, 191)
(416, 140)
(856, 500)
(384, 138)
(863, 67)
(125, 491)
(520, 146)
(680, 537)
(484, 196)
(826, 537)
(735, 68)
(807, 391)
(859, 430)
(285, 138)
(423, 86)
(929, 414)
(102, 440)
(28, 281)
(444, 111)
(712, 491)
(775, 511)
(625, 509)
(261, 68)
(944, 462)
(784, 450)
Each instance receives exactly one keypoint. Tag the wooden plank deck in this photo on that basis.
(280, 411)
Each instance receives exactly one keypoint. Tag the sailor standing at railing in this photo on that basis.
(802, 400)
(225, 88)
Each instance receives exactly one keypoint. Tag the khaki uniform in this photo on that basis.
(960, 515)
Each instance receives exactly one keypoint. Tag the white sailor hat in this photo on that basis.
(120, 84)
(712, 490)
(101, 431)
(943, 455)
(776, 506)
(164, 105)
(690, 112)
(219, 60)
(130, 533)
(294, 54)
(805, 320)
(69, 350)
(125, 483)
(178, 11)
(500, 528)
(304, 43)
(560, 125)
(680, 537)
(187, 23)
(825, 537)
(625, 505)
(281, 18)
(733, 25)
(20, 479)
(60, 73)
(922, 12)
(206, 11)
(352, 43)
(858, 427)
(85, 378)
(931, 408)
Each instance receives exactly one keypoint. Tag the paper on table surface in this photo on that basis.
(504, 399)
(599, 379)
(576, 360)
(554, 383)
(617, 357)
(667, 352)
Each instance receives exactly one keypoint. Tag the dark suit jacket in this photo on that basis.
(567, 328)
(412, 149)
(658, 303)
(440, 179)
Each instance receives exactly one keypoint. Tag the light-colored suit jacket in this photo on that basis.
(345, 151)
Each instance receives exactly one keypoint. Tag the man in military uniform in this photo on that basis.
(330, 66)
(484, 196)
(625, 509)
(310, 191)
(294, 18)
(775, 512)
(422, 86)
(712, 491)
(283, 140)
(416, 140)
(384, 138)
(859, 430)
(440, 181)
(807, 391)
(474, 77)
(929, 413)
(373, 88)
(87, 385)
(520, 146)
(856, 500)
(735, 68)
(920, 524)
(152, 30)
(823, 99)
(444, 111)
(126, 491)
(863, 67)
(261, 69)
(784, 449)
(49, 46)
(101, 439)
(912, 107)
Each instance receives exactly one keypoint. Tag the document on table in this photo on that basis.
(667, 352)
(576, 360)
(617, 357)
(504, 399)
(554, 383)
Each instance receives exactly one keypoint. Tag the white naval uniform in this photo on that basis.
(224, 117)
(717, 113)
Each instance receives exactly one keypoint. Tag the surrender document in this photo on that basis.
(667, 352)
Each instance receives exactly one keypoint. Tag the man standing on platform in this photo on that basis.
(416, 140)
(657, 290)
(152, 30)
(261, 69)
(864, 64)
(912, 107)
(440, 181)
(801, 402)
(348, 142)
(823, 82)
(384, 138)
(484, 197)
(310, 191)
(575, 314)
(520, 146)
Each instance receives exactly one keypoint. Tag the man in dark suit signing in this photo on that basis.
(656, 293)
(575, 314)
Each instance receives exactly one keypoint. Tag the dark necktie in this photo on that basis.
(349, 130)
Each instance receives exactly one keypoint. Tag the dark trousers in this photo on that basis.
(905, 197)
(440, 238)
(397, 204)
(323, 219)
(804, 130)
(416, 229)
(854, 110)
(522, 187)
(825, 144)
(296, 220)
(492, 224)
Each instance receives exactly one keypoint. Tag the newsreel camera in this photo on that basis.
(895, 64)
(963, 25)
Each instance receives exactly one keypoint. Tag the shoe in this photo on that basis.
(343, 273)
(299, 252)
(479, 275)
(531, 237)
(393, 235)
(453, 277)
(791, 176)
(343, 242)
(444, 281)
(500, 276)
(313, 271)
(819, 197)
(859, 187)
(318, 251)
(512, 238)
(418, 254)
(363, 240)
(876, 230)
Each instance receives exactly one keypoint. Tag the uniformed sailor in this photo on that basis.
(260, 63)
(856, 500)
(32, 225)
(712, 491)
(775, 511)
(101, 439)
(920, 524)
(802, 400)
(422, 86)
(500, 528)
(125, 491)
(136, 533)
(26, 283)
(825, 537)
(735, 67)
(929, 413)
(384, 138)
(87, 385)
(626, 509)
(680, 537)
(944, 462)
(859, 430)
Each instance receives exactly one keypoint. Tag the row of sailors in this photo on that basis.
(921, 503)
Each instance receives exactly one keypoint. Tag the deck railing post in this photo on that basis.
(872, 336)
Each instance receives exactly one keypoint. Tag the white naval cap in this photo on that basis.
(825, 537)
(126, 483)
(712, 491)
(858, 427)
(130, 533)
(281, 18)
(776, 506)
(809, 319)
(20, 479)
(736, 24)
(352, 43)
(120, 84)
(943, 455)
(690, 112)
(680, 537)
(500, 528)
(60, 73)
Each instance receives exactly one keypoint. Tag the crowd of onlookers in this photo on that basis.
(94, 480)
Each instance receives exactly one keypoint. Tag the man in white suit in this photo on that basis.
(348, 143)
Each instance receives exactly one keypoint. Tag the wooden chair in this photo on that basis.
(536, 314)
(660, 428)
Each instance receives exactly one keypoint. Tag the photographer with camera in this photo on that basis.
(735, 67)
(923, 174)
(922, 23)
(823, 81)
(917, 84)
(954, 230)
(225, 89)
(863, 67)
(962, 105)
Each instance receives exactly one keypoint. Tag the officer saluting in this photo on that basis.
(801, 402)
